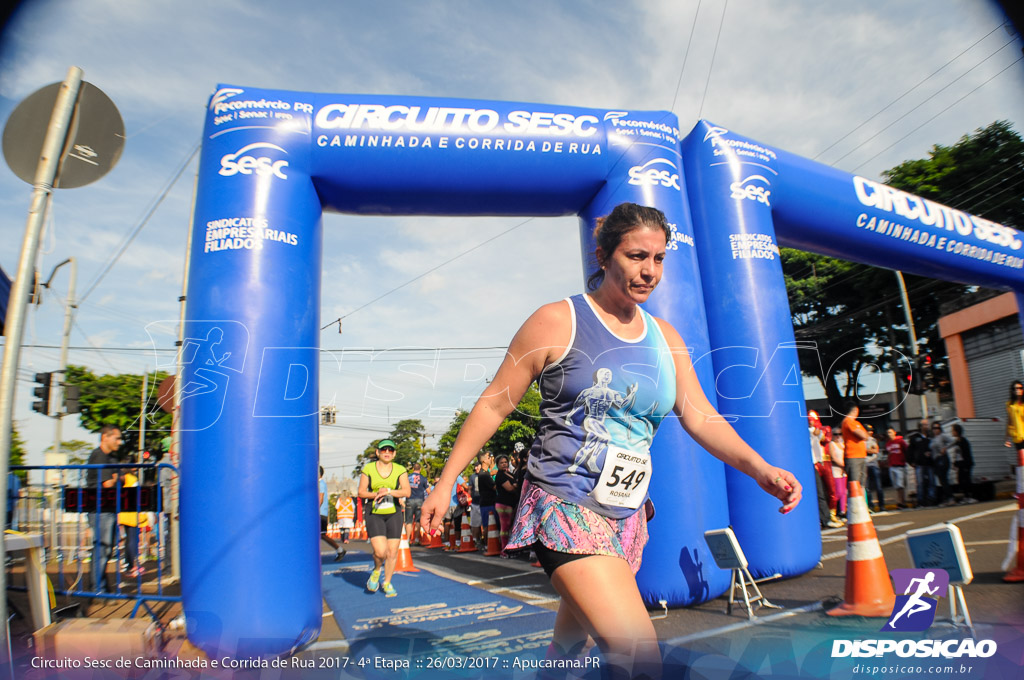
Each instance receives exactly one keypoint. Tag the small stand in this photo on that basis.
(728, 555)
(941, 546)
(956, 593)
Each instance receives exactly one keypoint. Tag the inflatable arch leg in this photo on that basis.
(758, 376)
(677, 567)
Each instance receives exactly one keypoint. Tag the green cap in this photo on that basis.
(385, 442)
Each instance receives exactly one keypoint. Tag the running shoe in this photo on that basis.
(389, 590)
(374, 581)
(340, 555)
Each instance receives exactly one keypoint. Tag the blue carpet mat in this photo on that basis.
(436, 625)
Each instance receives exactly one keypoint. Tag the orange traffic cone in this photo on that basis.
(868, 588)
(493, 538)
(1016, 574)
(404, 562)
(468, 544)
(453, 537)
(361, 532)
(436, 541)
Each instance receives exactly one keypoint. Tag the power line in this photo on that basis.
(135, 232)
(686, 56)
(84, 335)
(894, 101)
(1015, 61)
(352, 351)
(1009, 168)
(853, 314)
(429, 271)
(979, 191)
(927, 99)
(711, 68)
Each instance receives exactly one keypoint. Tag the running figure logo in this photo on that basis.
(915, 608)
(210, 355)
(596, 401)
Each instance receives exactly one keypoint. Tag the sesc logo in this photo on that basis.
(647, 176)
(241, 163)
(748, 189)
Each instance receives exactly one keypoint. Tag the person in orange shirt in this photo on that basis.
(855, 438)
(346, 509)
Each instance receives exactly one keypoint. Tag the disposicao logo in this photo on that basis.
(914, 612)
(915, 608)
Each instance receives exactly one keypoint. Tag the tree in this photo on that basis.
(852, 311)
(409, 436)
(849, 317)
(519, 426)
(17, 456)
(982, 174)
(78, 451)
(116, 400)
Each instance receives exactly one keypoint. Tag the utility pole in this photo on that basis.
(142, 417)
(894, 359)
(913, 335)
(175, 449)
(58, 394)
(46, 173)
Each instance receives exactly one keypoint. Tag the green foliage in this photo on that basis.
(408, 435)
(520, 426)
(17, 456)
(77, 450)
(849, 318)
(983, 174)
(117, 400)
(846, 309)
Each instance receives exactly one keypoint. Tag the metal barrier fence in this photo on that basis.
(83, 523)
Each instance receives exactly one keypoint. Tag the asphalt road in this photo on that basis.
(985, 527)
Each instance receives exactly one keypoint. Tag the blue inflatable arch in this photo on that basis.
(273, 161)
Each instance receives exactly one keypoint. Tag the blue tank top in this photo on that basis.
(601, 403)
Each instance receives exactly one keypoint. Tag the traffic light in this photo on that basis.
(928, 373)
(71, 394)
(917, 377)
(904, 378)
(42, 393)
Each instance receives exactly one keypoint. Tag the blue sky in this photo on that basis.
(805, 76)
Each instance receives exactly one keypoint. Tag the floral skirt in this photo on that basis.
(566, 527)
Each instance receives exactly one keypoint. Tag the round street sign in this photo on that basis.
(95, 138)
